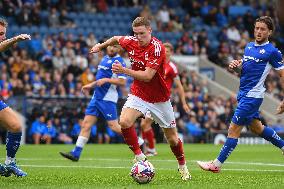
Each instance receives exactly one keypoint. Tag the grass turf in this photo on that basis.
(108, 166)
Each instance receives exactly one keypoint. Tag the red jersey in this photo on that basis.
(152, 56)
(171, 73)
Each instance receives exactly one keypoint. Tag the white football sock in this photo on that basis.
(140, 157)
(181, 166)
(217, 163)
(140, 141)
(81, 141)
(9, 160)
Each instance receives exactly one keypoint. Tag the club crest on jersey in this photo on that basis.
(146, 56)
(109, 61)
(262, 51)
(132, 52)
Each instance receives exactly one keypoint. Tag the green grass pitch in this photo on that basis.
(108, 166)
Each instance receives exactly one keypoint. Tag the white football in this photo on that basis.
(142, 172)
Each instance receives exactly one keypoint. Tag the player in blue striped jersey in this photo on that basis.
(259, 57)
(104, 100)
(8, 117)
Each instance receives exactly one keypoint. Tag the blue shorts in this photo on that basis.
(2, 105)
(247, 110)
(102, 108)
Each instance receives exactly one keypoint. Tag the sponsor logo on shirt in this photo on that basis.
(246, 58)
(262, 51)
(173, 123)
(146, 56)
(132, 52)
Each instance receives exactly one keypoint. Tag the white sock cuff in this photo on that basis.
(217, 163)
(81, 141)
(9, 160)
(140, 141)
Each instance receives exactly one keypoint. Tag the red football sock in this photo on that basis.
(149, 136)
(131, 139)
(178, 152)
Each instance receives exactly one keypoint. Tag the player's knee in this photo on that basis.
(256, 130)
(233, 133)
(15, 127)
(125, 123)
(172, 140)
(86, 126)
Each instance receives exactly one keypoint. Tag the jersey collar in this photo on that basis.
(258, 45)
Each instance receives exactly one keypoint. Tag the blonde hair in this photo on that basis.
(3, 22)
(141, 21)
(169, 45)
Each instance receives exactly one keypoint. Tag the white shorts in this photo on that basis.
(162, 112)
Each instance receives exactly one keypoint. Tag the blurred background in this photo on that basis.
(42, 78)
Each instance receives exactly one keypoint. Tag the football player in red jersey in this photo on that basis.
(170, 76)
(149, 91)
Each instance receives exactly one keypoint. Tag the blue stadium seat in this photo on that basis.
(13, 29)
(94, 23)
(100, 17)
(73, 15)
(43, 29)
(34, 29)
(98, 32)
(24, 29)
(84, 23)
(103, 24)
(112, 25)
(239, 10)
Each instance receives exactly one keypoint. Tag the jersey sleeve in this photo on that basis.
(156, 57)
(276, 60)
(125, 41)
(121, 61)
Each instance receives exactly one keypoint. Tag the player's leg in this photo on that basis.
(47, 138)
(246, 112)
(88, 122)
(177, 149)
(130, 112)
(10, 120)
(127, 118)
(148, 135)
(267, 133)
(36, 138)
(230, 144)
(163, 114)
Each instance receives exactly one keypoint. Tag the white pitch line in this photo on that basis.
(152, 160)
(119, 167)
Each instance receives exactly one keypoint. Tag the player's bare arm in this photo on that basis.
(280, 108)
(182, 95)
(145, 76)
(86, 88)
(236, 65)
(111, 41)
(4, 45)
(114, 81)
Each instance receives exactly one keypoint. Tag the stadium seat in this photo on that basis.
(239, 10)
(24, 29)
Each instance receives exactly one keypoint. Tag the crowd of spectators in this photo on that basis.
(58, 65)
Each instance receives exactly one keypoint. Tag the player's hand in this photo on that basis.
(117, 68)
(96, 48)
(100, 82)
(235, 64)
(86, 88)
(22, 37)
(280, 108)
(186, 108)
